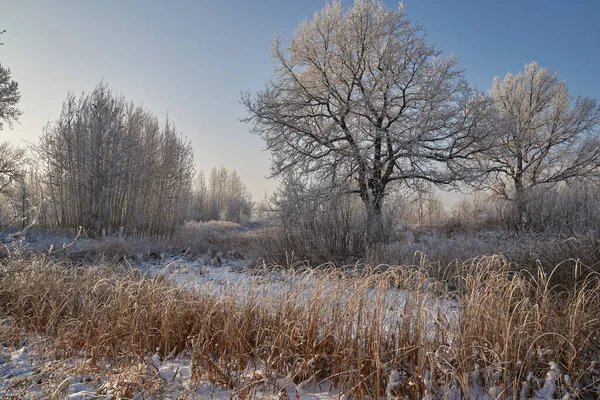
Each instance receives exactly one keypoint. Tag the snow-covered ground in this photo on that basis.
(32, 370)
(227, 274)
(198, 272)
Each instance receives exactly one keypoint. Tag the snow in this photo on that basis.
(547, 391)
(32, 371)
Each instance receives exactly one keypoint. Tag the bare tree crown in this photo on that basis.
(359, 96)
(544, 136)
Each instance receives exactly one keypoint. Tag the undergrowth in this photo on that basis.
(370, 333)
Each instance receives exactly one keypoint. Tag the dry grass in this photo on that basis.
(488, 327)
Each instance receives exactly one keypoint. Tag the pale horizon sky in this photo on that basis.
(192, 59)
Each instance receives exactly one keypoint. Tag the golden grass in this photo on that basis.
(495, 328)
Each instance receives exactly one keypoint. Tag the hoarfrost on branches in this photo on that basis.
(359, 96)
(543, 137)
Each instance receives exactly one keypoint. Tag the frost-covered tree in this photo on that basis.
(12, 158)
(360, 97)
(543, 136)
(315, 222)
(108, 164)
(425, 208)
(9, 97)
(224, 197)
(12, 161)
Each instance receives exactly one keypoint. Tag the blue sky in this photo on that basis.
(192, 58)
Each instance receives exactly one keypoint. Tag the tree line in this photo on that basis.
(109, 166)
(360, 104)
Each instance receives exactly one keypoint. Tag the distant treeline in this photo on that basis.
(111, 167)
(223, 197)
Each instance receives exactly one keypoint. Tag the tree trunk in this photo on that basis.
(373, 200)
(520, 206)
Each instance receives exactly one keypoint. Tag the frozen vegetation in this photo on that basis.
(126, 275)
(159, 324)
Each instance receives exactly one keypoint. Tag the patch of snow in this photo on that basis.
(32, 372)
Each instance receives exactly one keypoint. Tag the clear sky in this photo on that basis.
(192, 58)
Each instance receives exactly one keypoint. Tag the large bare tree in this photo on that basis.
(543, 136)
(359, 96)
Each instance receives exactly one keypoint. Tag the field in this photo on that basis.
(343, 209)
(117, 318)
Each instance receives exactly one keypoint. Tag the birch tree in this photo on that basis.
(360, 96)
(108, 164)
(543, 136)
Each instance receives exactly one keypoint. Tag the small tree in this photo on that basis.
(359, 97)
(315, 223)
(543, 137)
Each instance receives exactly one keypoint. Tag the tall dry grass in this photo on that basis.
(370, 333)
